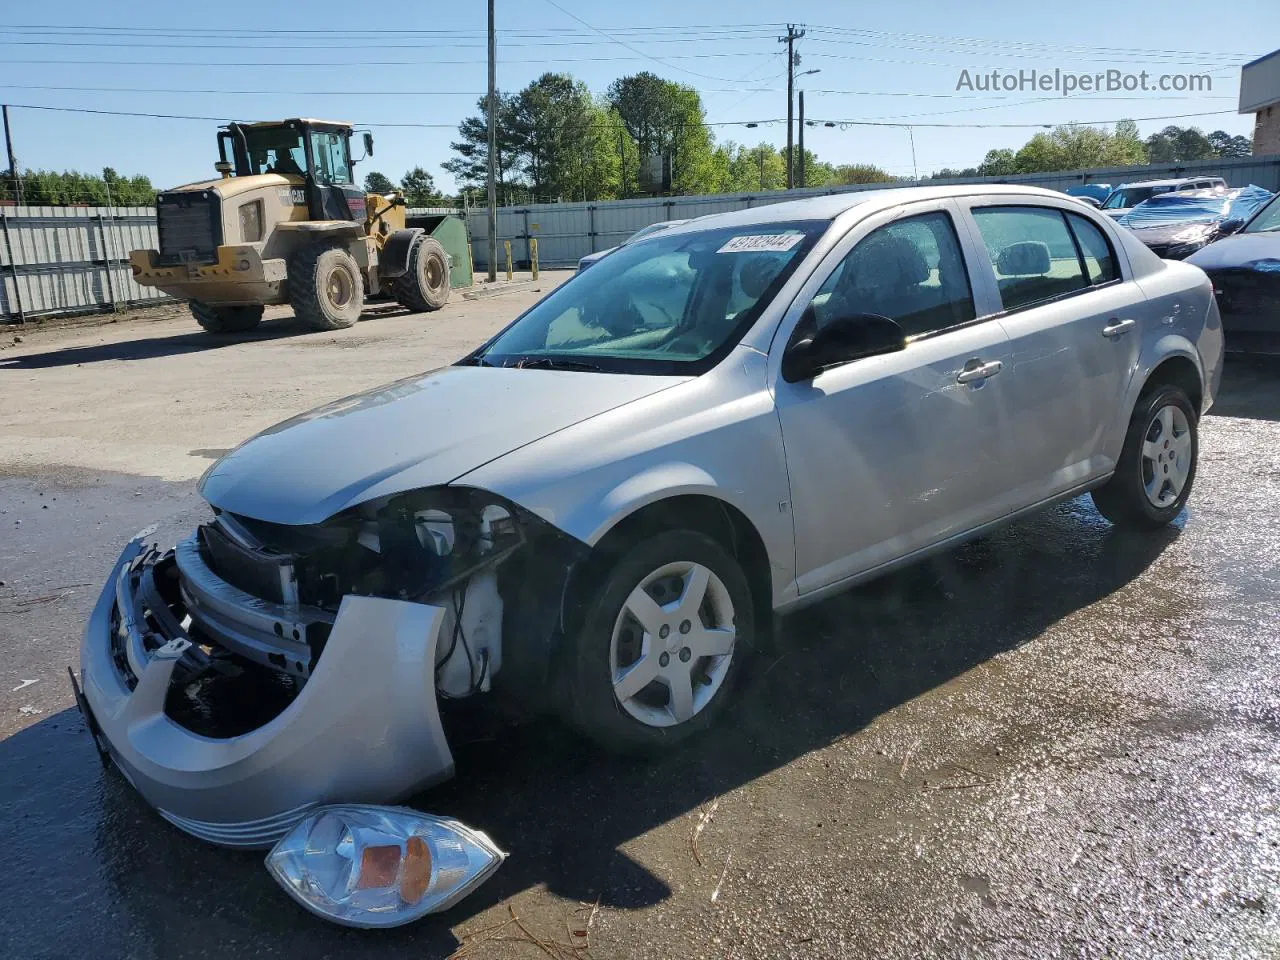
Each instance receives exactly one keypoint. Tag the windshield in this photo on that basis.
(1268, 218)
(1131, 196)
(275, 150)
(671, 305)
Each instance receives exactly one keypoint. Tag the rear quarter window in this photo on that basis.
(1099, 258)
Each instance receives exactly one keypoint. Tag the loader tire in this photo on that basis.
(425, 285)
(225, 319)
(325, 287)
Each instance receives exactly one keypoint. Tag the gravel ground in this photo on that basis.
(1057, 741)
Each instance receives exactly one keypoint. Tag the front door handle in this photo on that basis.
(980, 372)
(1118, 328)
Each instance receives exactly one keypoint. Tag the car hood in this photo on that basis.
(1184, 231)
(423, 431)
(1240, 250)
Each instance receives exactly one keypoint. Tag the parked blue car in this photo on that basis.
(1090, 191)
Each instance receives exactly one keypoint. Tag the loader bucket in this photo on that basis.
(452, 234)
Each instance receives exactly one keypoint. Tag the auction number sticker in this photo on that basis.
(764, 243)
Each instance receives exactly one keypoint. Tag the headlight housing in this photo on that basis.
(372, 866)
(1188, 241)
(251, 222)
(431, 539)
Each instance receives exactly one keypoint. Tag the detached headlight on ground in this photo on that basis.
(370, 866)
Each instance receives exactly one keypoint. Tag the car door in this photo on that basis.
(889, 454)
(1074, 325)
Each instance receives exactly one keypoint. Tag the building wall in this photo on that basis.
(1266, 131)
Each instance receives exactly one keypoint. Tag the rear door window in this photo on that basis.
(1032, 252)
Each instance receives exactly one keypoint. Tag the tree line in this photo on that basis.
(1074, 147)
(50, 188)
(557, 141)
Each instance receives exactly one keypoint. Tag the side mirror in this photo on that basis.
(1091, 201)
(368, 144)
(841, 340)
(1230, 226)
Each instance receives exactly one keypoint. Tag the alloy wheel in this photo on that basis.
(1166, 456)
(672, 644)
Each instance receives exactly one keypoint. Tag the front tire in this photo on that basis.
(658, 655)
(1157, 466)
(425, 285)
(222, 319)
(326, 288)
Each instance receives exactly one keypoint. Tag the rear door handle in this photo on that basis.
(980, 372)
(1118, 328)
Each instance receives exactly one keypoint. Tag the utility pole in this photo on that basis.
(801, 178)
(493, 150)
(13, 164)
(792, 36)
(622, 160)
(915, 171)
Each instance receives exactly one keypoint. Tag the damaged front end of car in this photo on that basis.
(259, 671)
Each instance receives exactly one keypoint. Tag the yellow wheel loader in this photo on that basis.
(286, 223)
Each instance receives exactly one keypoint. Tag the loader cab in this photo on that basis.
(314, 154)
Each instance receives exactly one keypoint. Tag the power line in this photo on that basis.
(1025, 126)
(768, 122)
(764, 28)
(477, 93)
(206, 45)
(760, 29)
(623, 43)
(328, 65)
(1003, 45)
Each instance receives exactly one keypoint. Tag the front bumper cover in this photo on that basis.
(364, 729)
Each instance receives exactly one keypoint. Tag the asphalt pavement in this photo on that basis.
(1060, 740)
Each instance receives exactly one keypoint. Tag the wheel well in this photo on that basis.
(1178, 372)
(715, 518)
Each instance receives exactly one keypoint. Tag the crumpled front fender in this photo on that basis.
(364, 728)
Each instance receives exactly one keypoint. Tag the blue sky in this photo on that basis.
(889, 62)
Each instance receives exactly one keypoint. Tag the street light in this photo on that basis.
(802, 124)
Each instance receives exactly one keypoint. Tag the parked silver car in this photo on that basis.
(591, 259)
(599, 510)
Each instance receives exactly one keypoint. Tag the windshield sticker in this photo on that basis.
(767, 243)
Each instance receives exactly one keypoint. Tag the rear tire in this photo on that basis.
(216, 319)
(326, 288)
(425, 285)
(1157, 466)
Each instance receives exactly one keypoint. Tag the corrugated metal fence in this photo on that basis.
(62, 260)
(568, 231)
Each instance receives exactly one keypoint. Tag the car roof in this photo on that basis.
(830, 206)
(1171, 182)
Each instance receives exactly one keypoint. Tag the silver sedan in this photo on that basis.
(599, 510)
